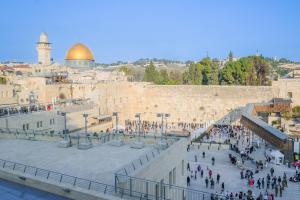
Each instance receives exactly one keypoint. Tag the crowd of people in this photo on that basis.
(240, 140)
(132, 126)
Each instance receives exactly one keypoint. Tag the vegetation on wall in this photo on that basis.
(2, 80)
(294, 113)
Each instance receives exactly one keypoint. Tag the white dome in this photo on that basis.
(43, 38)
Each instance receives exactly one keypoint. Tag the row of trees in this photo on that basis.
(252, 70)
(162, 77)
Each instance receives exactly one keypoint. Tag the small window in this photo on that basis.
(290, 94)
(38, 124)
(27, 126)
(24, 127)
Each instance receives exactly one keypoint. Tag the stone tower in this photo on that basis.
(44, 50)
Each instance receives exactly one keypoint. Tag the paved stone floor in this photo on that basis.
(98, 163)
(14, 191)
(230, 174)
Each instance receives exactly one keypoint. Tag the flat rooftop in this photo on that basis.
(98, 163)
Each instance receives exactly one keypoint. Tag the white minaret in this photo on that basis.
(44, 50)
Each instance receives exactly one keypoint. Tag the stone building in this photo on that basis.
(44, 50)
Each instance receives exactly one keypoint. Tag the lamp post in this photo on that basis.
(162, 115)
(116, 114)
(85, 125)
(67, 141)
(64, 114)
(138, 115)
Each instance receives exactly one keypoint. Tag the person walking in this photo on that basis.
(201, 173)
(188, 167)
(223, 186)
(258, 183)
(210, 173)
(280, 190)
(218, 178)
(203, 154)
(213, 160)
(206, 182)
(272, 171)
(263, 183)
(276, 190)
(212, 183)
(188, 181)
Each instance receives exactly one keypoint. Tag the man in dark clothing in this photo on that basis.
(268, 184)
(188, 167)
(280, 190)
(263, 183)
(206, 182)
(218, 178)
(212, 183)
(223, 186)
(201, 173)
(276, 190)
(272, 171)
(258, 183)
(188, 180)
(242, 174)
(203, 154)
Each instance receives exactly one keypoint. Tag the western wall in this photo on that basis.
(185, 103)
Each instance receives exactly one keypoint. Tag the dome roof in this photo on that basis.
(43, 38)
(79, 52)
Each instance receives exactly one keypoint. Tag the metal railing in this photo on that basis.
(72, 181)
(146, 189)
(144, 159)
(32, 133)
(57, 177)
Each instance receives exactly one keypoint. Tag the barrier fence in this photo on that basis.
(126, 187)
(146, 189)
(57, 177)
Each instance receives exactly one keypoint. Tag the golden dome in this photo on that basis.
(79, 52)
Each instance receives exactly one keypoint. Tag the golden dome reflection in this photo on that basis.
(79, 52)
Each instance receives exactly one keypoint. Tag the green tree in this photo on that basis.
(163, 77)
(296, 111)
(194, 74)
(2, 80)
(151, 74)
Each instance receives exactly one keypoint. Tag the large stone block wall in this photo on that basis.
(197, 104)
(185, 103)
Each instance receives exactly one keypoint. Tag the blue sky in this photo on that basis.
(131, 29)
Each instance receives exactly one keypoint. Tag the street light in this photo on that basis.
(85, 122)
(138, 115)
(162, 115)
(138, 144)
(116, 114)
(87, 144)
(64, 114)
(67, 141)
